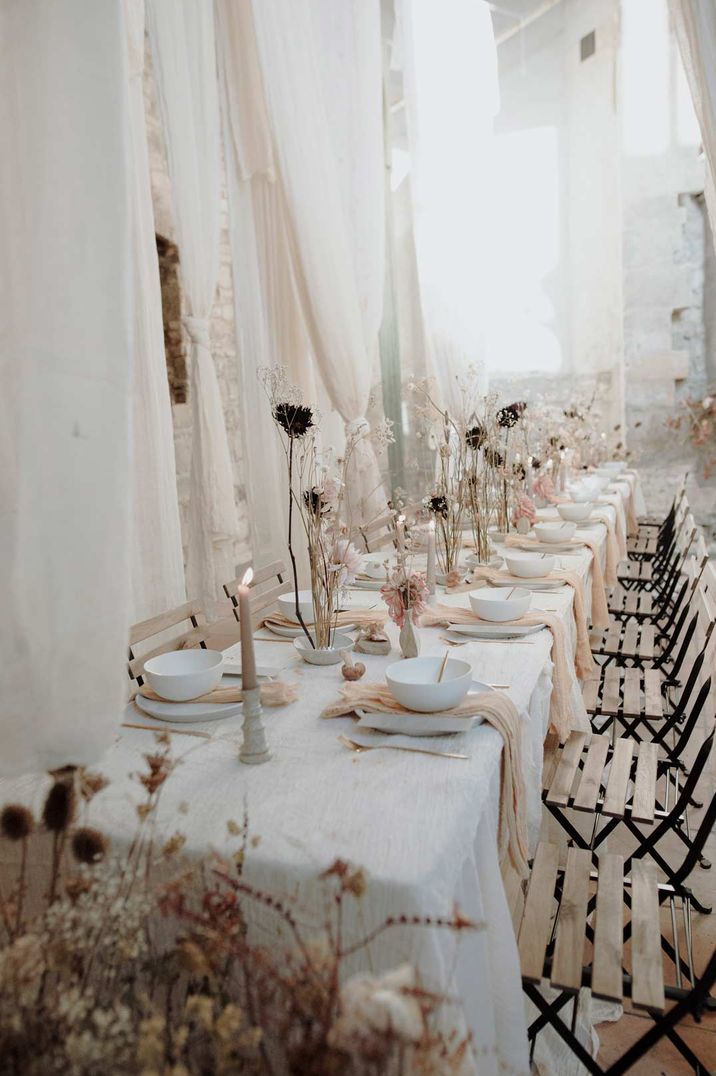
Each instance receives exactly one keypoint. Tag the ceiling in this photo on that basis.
(507, 15)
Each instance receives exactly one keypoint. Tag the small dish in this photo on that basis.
(576, 513)
(328, 656)
(414, 683)
(287, 606)
(181, 675)
(530, 565)
(498, 604)
(554, 532)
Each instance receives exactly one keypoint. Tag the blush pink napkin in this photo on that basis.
(600, 607)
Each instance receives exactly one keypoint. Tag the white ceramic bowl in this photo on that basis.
(530, 565)
(614, 467)
(497, 604)
(582, 493)
(287, 605)
(331, 656)
(413, 682)
(554, 532)
(374, 569)
(181, 675)
(576, 513)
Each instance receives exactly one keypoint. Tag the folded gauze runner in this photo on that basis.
(499, 711)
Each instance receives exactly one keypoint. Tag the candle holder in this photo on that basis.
(254, 750)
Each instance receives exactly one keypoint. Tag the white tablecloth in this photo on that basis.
(422, 827)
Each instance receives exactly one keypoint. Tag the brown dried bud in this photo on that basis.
(59, 809)
(89, 845)
(16, 822)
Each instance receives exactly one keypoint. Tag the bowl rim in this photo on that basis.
(188, 672)
(403, 663)
(524, 593)
(301, 643)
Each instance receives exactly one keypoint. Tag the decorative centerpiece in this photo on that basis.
(406, 595)
(316, 492)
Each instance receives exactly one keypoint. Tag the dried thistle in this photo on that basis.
(59, 809)
(16, 822)
(89, 845)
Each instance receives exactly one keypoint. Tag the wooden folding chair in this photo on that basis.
(177, 629)
(376, 535)
(266, 586)
(562, 948)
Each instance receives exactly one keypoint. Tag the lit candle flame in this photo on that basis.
(248, 576)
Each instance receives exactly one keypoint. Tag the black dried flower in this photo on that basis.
(437, 504)
(295, 419)
(315, 501)
(572, 412)
(89, 845)
(59, 808)
(536, 463)
(507, 418)
(16, 822)
(476, 436)
(518, 470)
(493, 458)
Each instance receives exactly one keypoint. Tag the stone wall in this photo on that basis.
(223, 334)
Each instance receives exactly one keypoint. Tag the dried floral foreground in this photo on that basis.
(110, 970)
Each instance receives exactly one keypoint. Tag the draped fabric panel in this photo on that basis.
(157, 555)
(320, 64)
(449, 62)
(694, 22)
(183, 48)
(66, 359)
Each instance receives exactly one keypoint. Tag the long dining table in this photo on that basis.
(422, 827)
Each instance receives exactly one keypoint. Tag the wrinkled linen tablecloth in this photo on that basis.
(423, 828)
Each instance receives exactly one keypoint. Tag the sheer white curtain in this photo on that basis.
(269, 321)
(183, 48)
(449, 61)
(65, 368)
(695, 24)
(157, 556)
(321, 69)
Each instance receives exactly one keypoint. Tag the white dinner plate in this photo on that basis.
(187, 712)
(529, 584)
(367, 584)
(495, 631)
(422, 724)
(546, 547)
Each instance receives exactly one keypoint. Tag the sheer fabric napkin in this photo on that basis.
(340, 620)
(583, 658)
(497, 710)
(600, 608)
(560, 712)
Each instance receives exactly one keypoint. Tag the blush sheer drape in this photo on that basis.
(183, 48)
(694, 22)
(157, 557)
(65, 366)
(320, 64)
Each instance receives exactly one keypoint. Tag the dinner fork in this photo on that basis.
(360, 747)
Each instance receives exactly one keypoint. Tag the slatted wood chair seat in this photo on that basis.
(632, 692)
(636, 603)
(177, 629)
(553, 932)
(643, 545)
(376, 535)
(629, 640)
(267, 585)
(635, 571)
(618, 781)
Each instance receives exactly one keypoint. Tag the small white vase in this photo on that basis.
(323, 655)
(409, 644)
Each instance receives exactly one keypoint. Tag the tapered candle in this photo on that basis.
(430, 575)
(530, 476)
(248, 658)
(400, 533)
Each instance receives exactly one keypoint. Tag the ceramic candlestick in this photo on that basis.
(253, 749)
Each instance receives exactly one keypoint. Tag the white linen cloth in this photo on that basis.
(694, 23)
(183, 49)
(321, 69)
(449, 60)
(65, 368)
(157, 555)
(423, 828)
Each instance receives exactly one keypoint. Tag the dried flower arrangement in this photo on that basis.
(697, 421)
(117, 971)
(317, 494)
